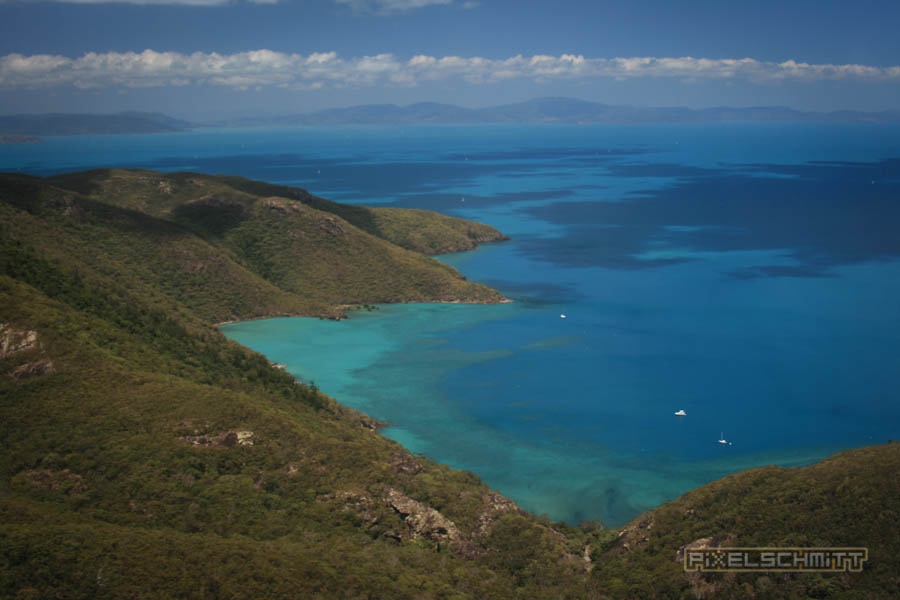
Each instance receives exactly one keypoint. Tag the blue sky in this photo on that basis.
(219, 58)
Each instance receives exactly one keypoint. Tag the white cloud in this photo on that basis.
(148, 2)
(386, 7)
(245, 70)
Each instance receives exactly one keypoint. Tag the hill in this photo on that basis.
(848, 500)
(182, 235)
(147, 456)
(560, 110)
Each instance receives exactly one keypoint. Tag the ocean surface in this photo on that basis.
(744, 273)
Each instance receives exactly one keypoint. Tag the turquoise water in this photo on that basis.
(746, 274)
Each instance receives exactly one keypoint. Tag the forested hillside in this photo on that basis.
(147, 456)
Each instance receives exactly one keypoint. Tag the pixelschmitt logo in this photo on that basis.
(775, 559)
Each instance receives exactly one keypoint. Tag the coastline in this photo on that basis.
(354, 307)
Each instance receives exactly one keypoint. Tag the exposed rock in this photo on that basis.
(51, 481)
(331, 226)
(352, 415)
(283, 205)
(403, 463)
(495, 505)
(33, 369)
(14, 340)
(369, 423)
(422, 520)
(226, 438)
(164, 187)
(635, 534)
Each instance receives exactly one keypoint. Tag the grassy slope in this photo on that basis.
(103, 493)
(159, 260)
(186, 234)
(419, 230)
(851, 499)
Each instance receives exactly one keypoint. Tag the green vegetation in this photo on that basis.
(147, 456)
(182, 236)
(420, 230)
(849, 500)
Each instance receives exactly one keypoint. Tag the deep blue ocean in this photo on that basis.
(744, 273)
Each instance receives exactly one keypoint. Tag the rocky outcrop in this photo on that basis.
(33, 369)
(404, 464)
(283, 205)
(226, 438)
(331, 226)
(635, 534)
(16, 340)
(495, 506)
(422, 520)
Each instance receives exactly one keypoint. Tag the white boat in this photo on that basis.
(681, 413)
(722, 439)
(562, 316)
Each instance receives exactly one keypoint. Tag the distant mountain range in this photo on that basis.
(558, 110)
(539, 110)
(88, 124)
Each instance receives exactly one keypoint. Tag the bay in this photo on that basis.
(745, 273)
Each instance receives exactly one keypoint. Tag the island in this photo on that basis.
(19, 139)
